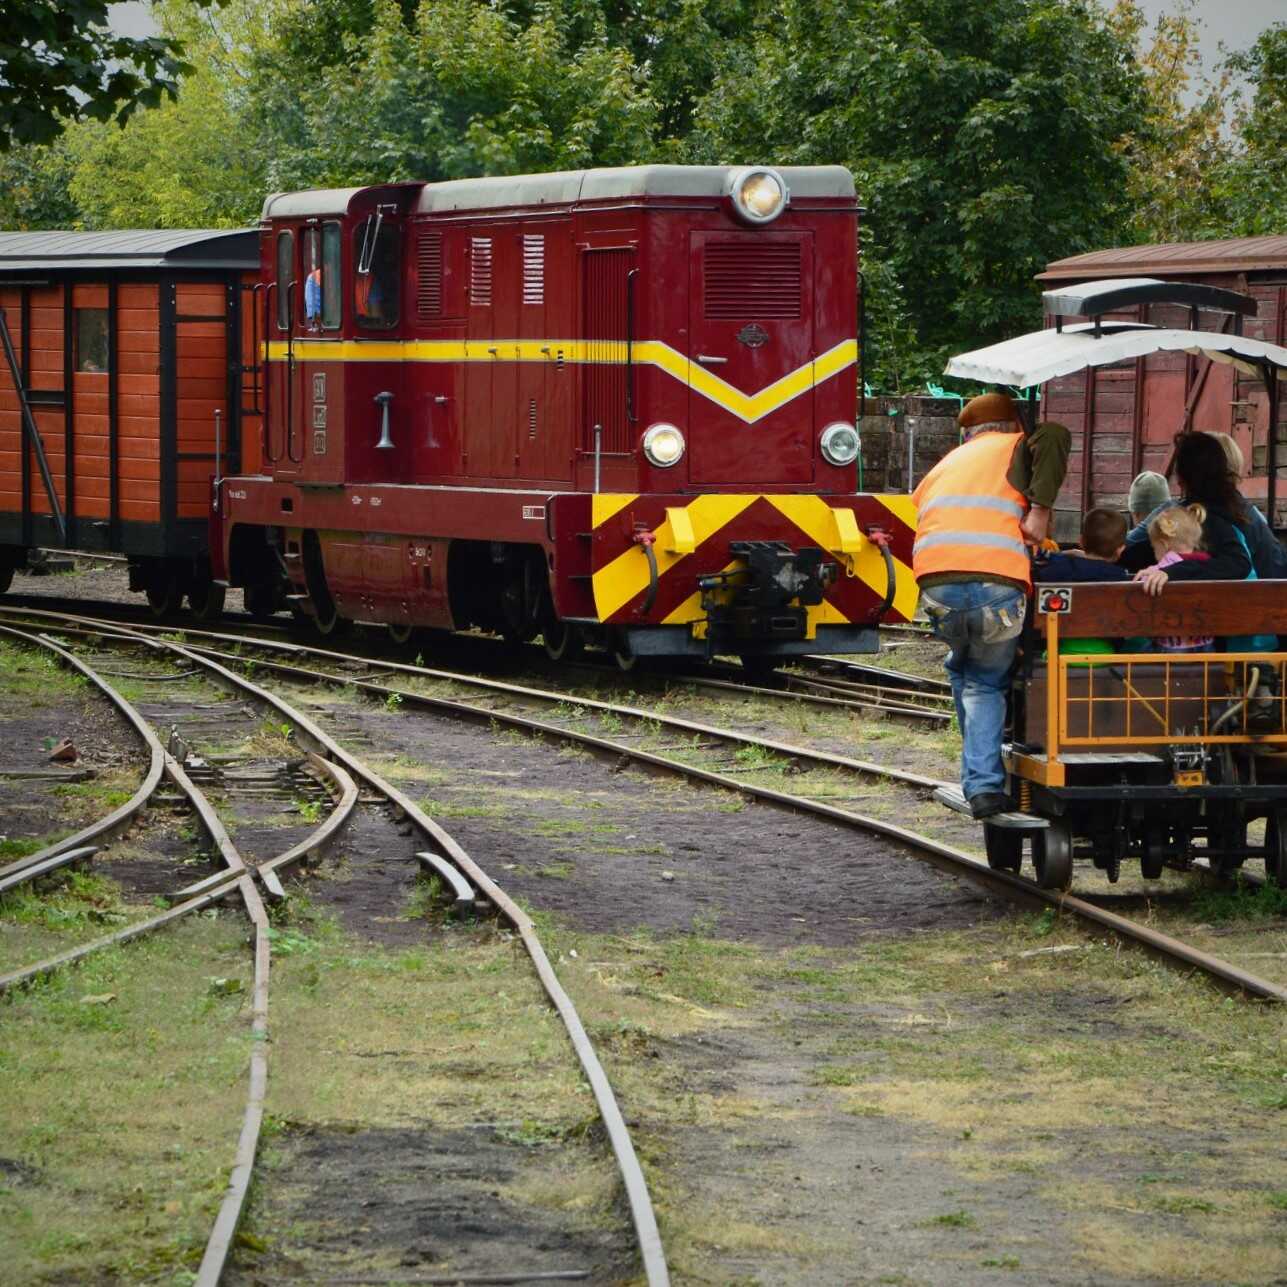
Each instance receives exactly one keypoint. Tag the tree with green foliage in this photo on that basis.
(60, 62)
(1254, 183)
(985, 140)
(1180, 142)
(466, 90)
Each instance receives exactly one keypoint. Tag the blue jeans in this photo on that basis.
(982, 621)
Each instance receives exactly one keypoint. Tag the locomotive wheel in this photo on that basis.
(331, 625)
(6, 577)
(206, 600)
(400, 631)
(262, 601)
(1004, 846)
(164, 599)
(1276, 848)
(1052, 856)
(563, 641)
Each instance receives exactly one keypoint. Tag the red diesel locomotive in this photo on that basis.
(609, 406)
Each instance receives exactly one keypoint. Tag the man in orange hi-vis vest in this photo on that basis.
(977, 512)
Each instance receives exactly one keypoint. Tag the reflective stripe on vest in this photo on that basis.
(968, 513)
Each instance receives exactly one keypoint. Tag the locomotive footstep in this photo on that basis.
(952, 797)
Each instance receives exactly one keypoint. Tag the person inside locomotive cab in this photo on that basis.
(978, 512)
(1203, 472)
(1103, 538)
(375, 288)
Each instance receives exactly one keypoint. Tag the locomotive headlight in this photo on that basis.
(759, 195)
(840, 443)
(664, 445)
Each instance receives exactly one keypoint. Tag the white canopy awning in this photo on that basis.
(1045, 355)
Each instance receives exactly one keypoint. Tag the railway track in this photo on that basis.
(699, 751)
(340, 770)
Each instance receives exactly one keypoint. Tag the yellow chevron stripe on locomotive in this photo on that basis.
(693, 538)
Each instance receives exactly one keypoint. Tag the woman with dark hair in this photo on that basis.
(1202, 470)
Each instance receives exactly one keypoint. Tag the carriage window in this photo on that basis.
(285, 278)
(377, 259)
(91, 339)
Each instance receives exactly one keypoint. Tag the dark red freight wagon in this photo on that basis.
(121, 351)
(608, 406)
(1123, 418)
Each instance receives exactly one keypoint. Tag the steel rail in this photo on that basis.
(121, 817)
(241, 877)
(946, 857)
(545, 696)
(951, 859)
(646, 1231)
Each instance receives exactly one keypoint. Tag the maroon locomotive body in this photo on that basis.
(613, 406)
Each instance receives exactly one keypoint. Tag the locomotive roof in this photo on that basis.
(1231, 255)
(569, 186)
(566, 187)
(138, 248)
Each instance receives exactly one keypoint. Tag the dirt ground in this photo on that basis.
(840, 1066)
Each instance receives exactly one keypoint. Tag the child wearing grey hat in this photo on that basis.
(1149, 491)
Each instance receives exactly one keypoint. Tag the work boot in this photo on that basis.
(989, 803)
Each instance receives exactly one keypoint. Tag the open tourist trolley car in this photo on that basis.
(1140, 754)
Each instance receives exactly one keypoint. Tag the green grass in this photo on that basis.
(1246, 902)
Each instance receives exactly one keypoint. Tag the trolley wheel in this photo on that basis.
(758, 668)
(1153, 856)
(400, 631)
(206, 600)
(263, 600)
(1004, 847)
(1276, 848)
(1052, 856)
(1232, 834)
(562, 640)
(6, 577)
(164, 599)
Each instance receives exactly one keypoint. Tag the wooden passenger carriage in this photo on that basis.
(119, 350)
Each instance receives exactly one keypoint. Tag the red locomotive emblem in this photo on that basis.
(753, 336)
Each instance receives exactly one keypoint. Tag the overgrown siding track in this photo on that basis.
(706, 753)
(340, 767)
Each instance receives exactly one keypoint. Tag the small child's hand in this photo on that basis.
(1152, 579)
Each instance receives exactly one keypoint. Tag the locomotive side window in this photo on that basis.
(285, 277)
(377, 260)
(331, 279)
(322, 277)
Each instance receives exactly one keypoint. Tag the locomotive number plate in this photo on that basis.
(319, 386)
(319, 416)
(534, 511)
(319, 442)
(1056, 600)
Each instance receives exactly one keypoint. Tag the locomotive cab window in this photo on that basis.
(377, 261)
(322, 277)
(91, 339)
(285, 278)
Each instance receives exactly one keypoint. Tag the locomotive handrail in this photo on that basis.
(265, 427)
(290, 380)
(630, 344)
(1121, 610)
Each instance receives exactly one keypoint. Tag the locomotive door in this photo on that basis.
(283, 424)
(750, 403)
